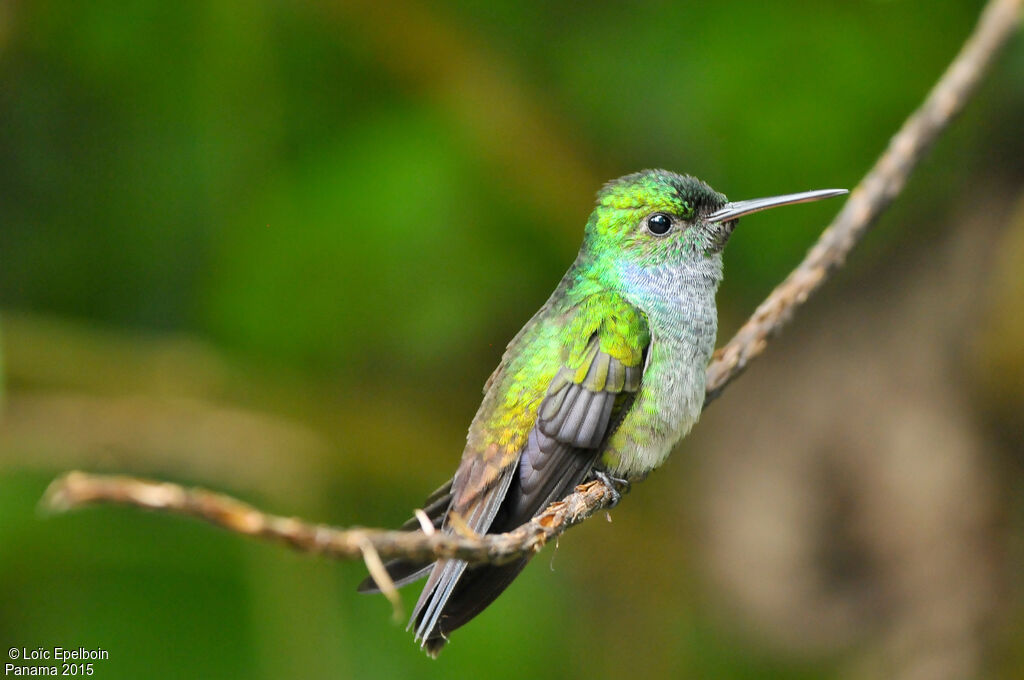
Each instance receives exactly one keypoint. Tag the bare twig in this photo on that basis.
(380, 575)
(874, 193)
(77, 489)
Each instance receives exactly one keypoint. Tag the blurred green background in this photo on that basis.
(275, 249)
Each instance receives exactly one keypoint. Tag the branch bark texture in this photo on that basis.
(78, 489)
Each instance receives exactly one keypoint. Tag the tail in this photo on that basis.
(457, 592)
(458, 595)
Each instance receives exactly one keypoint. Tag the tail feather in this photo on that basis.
(476, 590)
(455, 594)
(483, 511)
(404, 572)
(430, 609)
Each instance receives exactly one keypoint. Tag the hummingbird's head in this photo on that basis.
(656, 217)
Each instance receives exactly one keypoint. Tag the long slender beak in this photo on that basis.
(737, 209)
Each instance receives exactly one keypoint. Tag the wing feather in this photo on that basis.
(498, 487)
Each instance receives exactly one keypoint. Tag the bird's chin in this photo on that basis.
(719, 235)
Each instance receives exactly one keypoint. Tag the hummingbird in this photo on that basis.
(603, 381)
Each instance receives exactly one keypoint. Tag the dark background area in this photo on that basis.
(276, 248)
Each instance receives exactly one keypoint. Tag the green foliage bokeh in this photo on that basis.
(293, 184)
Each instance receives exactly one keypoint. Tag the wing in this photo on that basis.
(591, 367)
(572, 424)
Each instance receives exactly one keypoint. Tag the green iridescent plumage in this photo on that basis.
(609, 374)
(557, 338)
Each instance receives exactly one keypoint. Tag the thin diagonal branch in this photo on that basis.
(873, 194)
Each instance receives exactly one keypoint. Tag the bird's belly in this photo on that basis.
(667, 405)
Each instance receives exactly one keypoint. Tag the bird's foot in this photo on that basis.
(617, 485)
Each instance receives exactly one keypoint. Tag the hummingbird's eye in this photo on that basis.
(659, 224)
